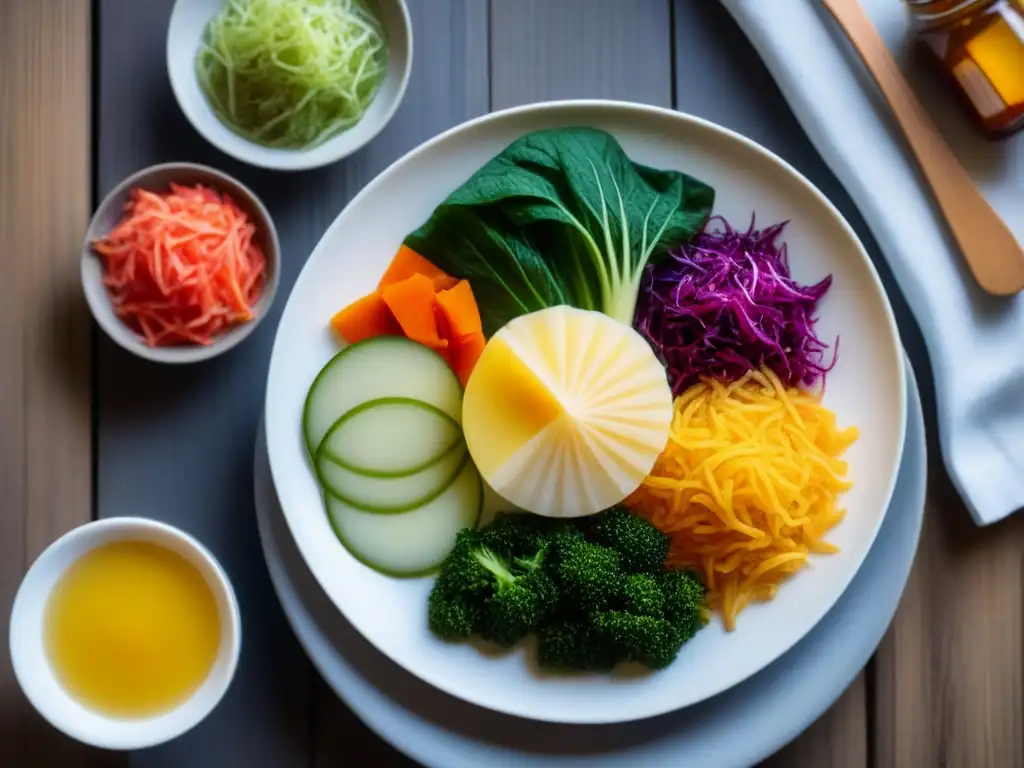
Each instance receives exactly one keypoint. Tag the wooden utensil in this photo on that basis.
(992, 252)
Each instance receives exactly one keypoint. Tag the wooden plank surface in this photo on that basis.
(45, 336)
(608, 49)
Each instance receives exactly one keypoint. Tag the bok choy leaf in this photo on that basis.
(561, 216)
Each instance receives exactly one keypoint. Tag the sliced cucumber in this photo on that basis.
(389, 495)
(411, 543)
(390, 437)
(384, 366)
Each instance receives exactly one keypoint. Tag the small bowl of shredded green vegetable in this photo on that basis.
(289, 84)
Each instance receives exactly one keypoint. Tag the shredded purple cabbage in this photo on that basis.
(725, 303)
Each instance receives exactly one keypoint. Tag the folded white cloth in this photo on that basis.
(976, 342)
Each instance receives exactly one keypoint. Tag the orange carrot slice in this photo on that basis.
(411, 301)
(365, 318)
(407, 263)
(460, 310)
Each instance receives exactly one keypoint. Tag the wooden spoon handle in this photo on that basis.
(992, 252)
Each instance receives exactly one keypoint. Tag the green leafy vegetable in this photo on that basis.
(561, 216)
(291, 73)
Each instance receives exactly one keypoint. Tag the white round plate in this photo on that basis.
(740, 727)
(867, 389)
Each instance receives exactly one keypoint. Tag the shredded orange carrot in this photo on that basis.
(181, 267)
(747, 486)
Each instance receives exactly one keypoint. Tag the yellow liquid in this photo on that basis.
(132, 629)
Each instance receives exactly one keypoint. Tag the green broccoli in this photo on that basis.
(572, 645)
(462, 574)
(642, 547)
(529, 564)
(560, 539)
(560, 645)
(653, 642)
(590, 575)
(514, 535)
(642, 595)
(684, 595)
(518, 603)
(594, 591)
(452, 617)
(481, 592)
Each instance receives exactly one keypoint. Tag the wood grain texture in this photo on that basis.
(839, 739)
(609, 49)
(45, 337)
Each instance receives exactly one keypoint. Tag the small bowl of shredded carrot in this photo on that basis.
(180, 263)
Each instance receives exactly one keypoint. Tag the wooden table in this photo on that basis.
(87, 430)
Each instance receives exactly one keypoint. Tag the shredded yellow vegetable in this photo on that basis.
(747, 486)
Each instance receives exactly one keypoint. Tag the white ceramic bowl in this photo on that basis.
(32, 667)
(188, 22)
(867, 389)
(157, 178)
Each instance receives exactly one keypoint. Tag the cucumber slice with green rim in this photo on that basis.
(390, 437)
(384, 366)
(413, 543)
(389, 495)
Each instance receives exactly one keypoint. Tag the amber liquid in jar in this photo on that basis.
(979, 45)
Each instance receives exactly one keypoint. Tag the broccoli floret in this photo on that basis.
(643, 596)
(590, 575)
(572, 645)
(455, 605)
(478, 592)
(684, 601)
(452, 617)
(560, 645)
(642, 547)
(651, 641)
(594, 591)
(528, 564)
(518, 603)
(560, 539)
(462, 574)
(514, 535)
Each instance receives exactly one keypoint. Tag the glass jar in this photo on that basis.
(979, 46)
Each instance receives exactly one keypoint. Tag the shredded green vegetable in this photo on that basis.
(292, 73)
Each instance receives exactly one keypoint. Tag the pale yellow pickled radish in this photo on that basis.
(566, 412)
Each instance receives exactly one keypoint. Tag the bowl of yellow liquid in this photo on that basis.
(125, 633)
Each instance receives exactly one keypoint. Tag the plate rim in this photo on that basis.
(627, 111)
(280, 571)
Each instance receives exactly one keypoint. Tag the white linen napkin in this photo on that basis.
(975, 341)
